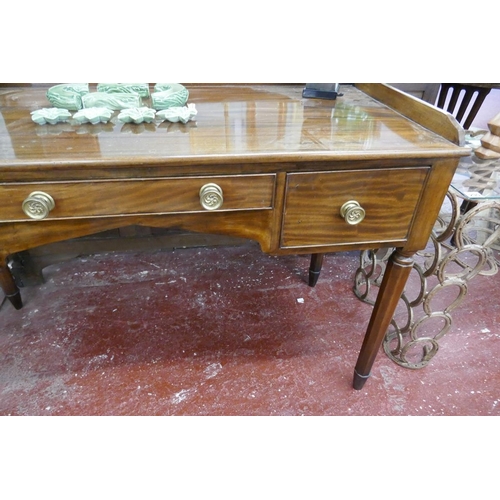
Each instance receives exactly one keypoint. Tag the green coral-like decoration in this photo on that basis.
(50, 116)
(67, 95)
(115, 101)
(93, 115)
(124, 88)
(168, 95)
(137, 115)
(178, 114)
(169, 99)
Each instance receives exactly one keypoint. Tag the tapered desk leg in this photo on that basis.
(393, 284)
(315, 268)
(9, 285)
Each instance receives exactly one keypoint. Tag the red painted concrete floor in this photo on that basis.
(227, 331)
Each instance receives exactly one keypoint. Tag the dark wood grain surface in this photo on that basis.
(243, 123)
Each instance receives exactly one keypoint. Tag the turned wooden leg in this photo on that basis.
(26, 270)
(8, 285)
(393, 284)
(315, 267)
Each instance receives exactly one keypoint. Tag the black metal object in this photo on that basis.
(321, 91)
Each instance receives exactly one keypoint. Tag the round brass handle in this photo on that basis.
(352, 212)
(211, 196)
(38, 205)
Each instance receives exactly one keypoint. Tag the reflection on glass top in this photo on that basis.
(476, 179)
(247, 120)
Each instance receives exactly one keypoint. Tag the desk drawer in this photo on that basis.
(137, 196)
(313, 206)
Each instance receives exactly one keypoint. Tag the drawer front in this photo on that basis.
(138, 196)
(313, 206)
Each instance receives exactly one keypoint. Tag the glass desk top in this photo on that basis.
(476, 179)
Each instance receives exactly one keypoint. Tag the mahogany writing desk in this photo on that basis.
(367, 170)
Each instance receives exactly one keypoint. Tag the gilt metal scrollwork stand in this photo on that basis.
(460, 248)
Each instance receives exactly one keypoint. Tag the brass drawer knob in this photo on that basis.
(38, 205)
(352, 212)
(211, 197)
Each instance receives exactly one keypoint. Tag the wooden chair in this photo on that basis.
(460, 108)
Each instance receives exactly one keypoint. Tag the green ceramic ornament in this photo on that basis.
(167, 95)
(114, 101)
(124, 88)
(178, 114)
(93, 115)
(67, 95)
(137, 115)
(50, 116)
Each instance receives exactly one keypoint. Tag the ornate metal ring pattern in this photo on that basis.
(460, 248)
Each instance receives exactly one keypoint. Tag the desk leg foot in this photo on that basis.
(16, 300)
(9, 286)
(359, 380)
(315, 268)
(396, 274)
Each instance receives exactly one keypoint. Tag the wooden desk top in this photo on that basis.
(248, 123)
